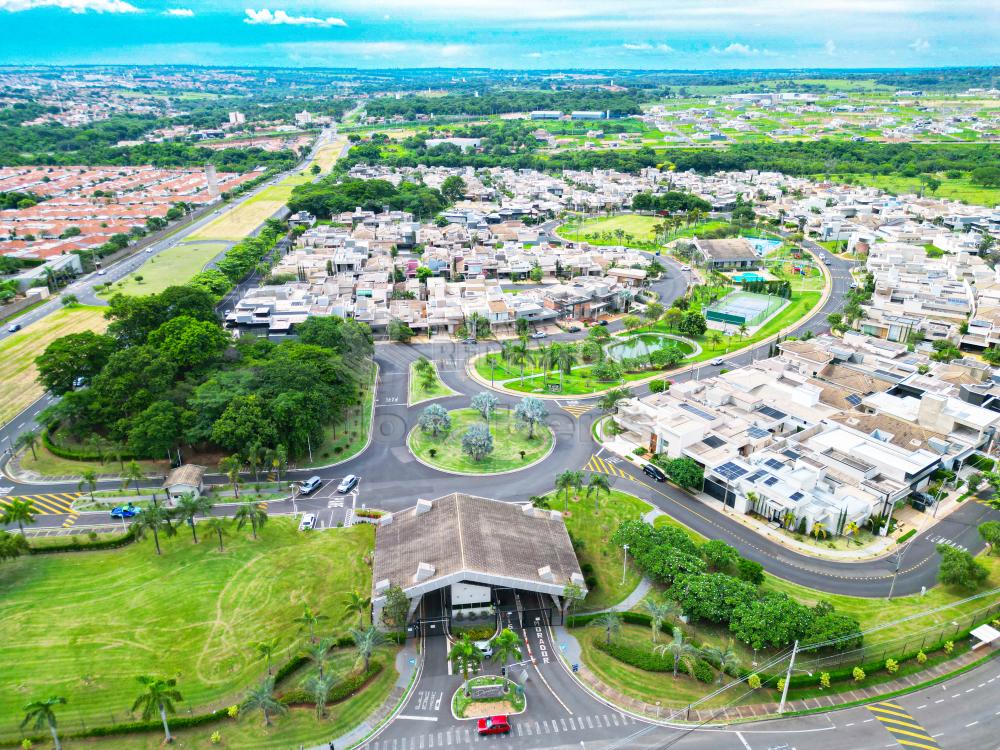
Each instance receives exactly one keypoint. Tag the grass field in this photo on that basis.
(89, 623)
(960, 189)
(50, 465)
(508, 440)
(173, 266)
(18, 352)
(419, 394)
(640, 227)
(592, 529)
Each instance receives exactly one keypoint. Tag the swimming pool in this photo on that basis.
(763, 246)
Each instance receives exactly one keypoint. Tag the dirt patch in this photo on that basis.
(481, 709)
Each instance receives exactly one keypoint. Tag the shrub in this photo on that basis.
(781, 683)
(858, 673)
(891, 666)
(75, 546)
(824, 680)
(586, 568)
(233, 711)
(640, 451)
(216, 737)
(754, 682)
(949, 646)
(921, 657)
(703, 671)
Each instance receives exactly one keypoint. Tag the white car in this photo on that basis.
(539, 335)
(485, 648)
(308, 522)
(717, 362)
(349, 482)
(685, 268)
(101, 272)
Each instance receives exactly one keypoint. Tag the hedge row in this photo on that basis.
(154, 725)
(650, 661)
(632, 618)
(341, 691)
(120, 541)
(77, 454)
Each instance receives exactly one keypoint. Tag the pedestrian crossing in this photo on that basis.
(52, 504)
(903, 727)
(577, 410)
(604, 466)
(464, 736)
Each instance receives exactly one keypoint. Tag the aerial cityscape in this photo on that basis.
(553, 376)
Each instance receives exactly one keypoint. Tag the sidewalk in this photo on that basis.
(408, 664)
(570, 649)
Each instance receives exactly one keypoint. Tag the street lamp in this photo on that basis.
(624, 563)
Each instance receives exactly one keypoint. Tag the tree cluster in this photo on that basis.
(333, 195)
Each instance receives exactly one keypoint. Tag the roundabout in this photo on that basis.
(515, 446)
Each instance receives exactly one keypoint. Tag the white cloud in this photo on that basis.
(737, 48)
(648, 47)
(830, 47)
(74, 6)
(179, 12)
(281, 18)
(317, 52)
(919, 45)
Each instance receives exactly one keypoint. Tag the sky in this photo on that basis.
(535, 34)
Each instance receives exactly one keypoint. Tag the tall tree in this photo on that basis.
(357, 605)
(132, 475)
(659, 611)
(309, 620)
(680, 650)
(319, 687)
(88, 479)
(220, 526)
(158, 696)
(610, 623)
(253, 514)
(597, 485)
(155, 519)
(265, 650)
(465, 656)
(189, 506)
(530, 411)
(366, 642)
(262, 698)
(28, 439)
(42, 714)
(318, 654)
(507, 646)
(19, 512)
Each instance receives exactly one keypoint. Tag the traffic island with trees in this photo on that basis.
(166, 375)
(482, 439)
(425, 383)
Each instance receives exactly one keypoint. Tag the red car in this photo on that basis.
(494, 725)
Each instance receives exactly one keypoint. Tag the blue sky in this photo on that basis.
(674, 34)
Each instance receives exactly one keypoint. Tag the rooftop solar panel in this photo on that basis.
(796, 496)
(772, 413)
(771, 481)
(854, 399)
(757, 432)
(697, 412)
(730, 471)
(790, 453)
(773, 463)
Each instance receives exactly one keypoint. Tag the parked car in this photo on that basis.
(470, 341)
(79, 382)
(101, 272)
(717, 362)
(347, 484)
(124, 511)
(149, 249)
(494, 725)
(685, 268)
(602, 322)
(485, 648)
(654, 472)
(539, 335)
(309, 485)
(308, 522)
(14, 328)
(574, 329)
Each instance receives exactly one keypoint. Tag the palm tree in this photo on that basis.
(19, 512)
(610, 623)
(155, 518)
(190, 506)
(230, 466)
(566, 359)
(318, 652)
(659, 612)
(253, 514)
(851, 528)
(597, 484)
(279, 457)
(132, 474)
(266, 649)
(357, 604)
(681, 650)
(715, 339)
(220, 526)
(309, 620)
(567, 481)
(507, 646)
(465, 655)
(262, 697)
(367, 641)
(320, 688)
(42, 713)
(519, 356)
(27, 439)
(723, 658)
(88, 479)
(818, 530)
(158, 696)
(742, 330)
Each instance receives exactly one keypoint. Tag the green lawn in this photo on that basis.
(176, 265)
(508, 440)
(89, 623)
(419, 394)
(578, 383)
(639, 230)
(591, 530)
(960, 189)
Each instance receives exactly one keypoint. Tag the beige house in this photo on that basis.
(183, 480)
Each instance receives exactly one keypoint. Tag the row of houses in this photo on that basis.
(829, 431)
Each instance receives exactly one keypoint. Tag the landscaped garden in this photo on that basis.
(482, 439)
(425, 383)
(635, 230)
(217, 620)
(737, 615)
(510, 701)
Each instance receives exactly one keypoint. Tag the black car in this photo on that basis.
(655, 472)
(574, 329)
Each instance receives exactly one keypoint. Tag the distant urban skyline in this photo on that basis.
(558, 34)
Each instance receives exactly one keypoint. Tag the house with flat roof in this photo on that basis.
(728, 254)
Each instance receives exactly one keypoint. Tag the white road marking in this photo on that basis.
(417, 718)
(970, 724)
(745, 743)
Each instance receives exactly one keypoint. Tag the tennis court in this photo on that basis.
(744, 308)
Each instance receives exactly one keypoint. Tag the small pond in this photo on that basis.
(644, 343)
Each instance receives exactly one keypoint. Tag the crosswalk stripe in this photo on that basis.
(42, 506)
(887, 704)
(885, 719)
(900, 714)
(599, 465)
(896, 730)
(885, 713)
(577, 411)
(917, 744)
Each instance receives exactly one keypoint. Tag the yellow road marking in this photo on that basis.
(899, 721)
(918, 744)
(898, 733)
(41, 506)
(894, 730)
(887, 704)
(577, 411)
(891, 713)
(599, 465)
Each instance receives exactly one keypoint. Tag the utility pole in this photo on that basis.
(788, 679)
(899, 560)
(624, 563)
